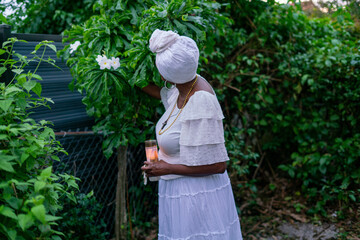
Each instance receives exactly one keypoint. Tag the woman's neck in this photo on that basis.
(185, 88)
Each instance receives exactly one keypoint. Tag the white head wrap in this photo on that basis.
(176, 56)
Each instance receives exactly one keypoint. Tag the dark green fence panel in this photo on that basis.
(68, 112)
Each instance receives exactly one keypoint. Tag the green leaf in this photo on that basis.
(39, 212)
(323, 160)
(37, 47)
(3, 19)
(36, 76)
(6, 43)
(25, 221)
(23, 158)
(21, 79)
(3, 137)
(29, 85)
(22, 58)
(48, 132)
(37, 89)
(5, 163)
(182, 27)
(2, 70)
(39, 185)
(334, 117)
(5, 104)
(269, 99)
(352, 197)
(335, 41)
(17, 71)
(46, 173)
(21, 102)
(328, 63)
(345, 183)
(51, 218)
(263, 122)
(12, 89)
(8, 212)
(291, 172)
(52, 46)
(14, 202)
(55, 237)
(322, 169)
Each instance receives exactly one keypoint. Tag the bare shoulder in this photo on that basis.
(203, 85)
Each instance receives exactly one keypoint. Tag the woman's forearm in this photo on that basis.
(153, 90)
(198, 171)
(161, 168)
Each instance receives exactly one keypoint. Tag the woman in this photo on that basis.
(195, 195)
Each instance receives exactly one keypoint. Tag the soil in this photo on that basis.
(279, 211)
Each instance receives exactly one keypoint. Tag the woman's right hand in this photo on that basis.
(158, 168)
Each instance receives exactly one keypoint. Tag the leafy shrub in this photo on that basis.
(79, 220)
(30, 192)
(49, 17)
(291, 83)
(123, 30)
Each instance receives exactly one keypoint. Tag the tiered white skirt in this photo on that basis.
(198, 208)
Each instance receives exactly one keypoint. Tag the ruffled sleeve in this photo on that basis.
(202, 134)
(168, 96)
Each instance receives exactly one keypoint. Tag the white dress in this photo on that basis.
(195, 208)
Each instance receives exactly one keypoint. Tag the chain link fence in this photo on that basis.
(86, 161)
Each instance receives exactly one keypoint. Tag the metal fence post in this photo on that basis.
(5, 33)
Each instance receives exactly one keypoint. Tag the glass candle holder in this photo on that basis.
(151, 151)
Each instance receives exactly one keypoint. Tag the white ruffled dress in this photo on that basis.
(195, 208)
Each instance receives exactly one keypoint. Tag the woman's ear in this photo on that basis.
(166, 80)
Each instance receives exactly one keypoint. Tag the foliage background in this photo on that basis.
(50, 17)
(288, 82)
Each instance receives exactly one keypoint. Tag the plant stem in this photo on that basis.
(12, 45)
(42, 56)
(14, 76)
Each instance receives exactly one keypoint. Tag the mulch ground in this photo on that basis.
(263, 211)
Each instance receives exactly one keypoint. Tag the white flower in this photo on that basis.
(100, 58)
(105, 63)
(74, 46)
(115, 63)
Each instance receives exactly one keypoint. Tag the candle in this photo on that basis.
(151, 154)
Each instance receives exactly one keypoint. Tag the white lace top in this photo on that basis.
(197, 136)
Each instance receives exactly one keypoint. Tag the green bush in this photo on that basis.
(30, 192)
(291, 83)
(79, 220)
(122, 29)
(47, 17)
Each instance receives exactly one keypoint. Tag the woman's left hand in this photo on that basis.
(156, 168)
